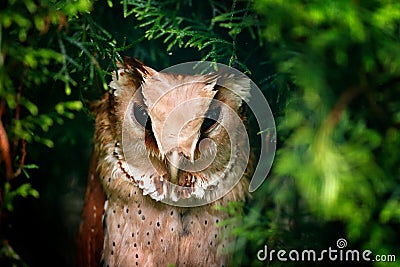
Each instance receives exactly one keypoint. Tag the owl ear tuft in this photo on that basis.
(239, 85)
(130, 73)
(210, 80)
(133, 66)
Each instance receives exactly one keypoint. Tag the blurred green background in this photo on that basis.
(329, 69)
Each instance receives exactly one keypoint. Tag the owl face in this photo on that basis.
(181, 138)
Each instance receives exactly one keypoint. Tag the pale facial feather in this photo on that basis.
(177, 108)
(176, 105)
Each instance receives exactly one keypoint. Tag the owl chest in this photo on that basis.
(140, 231)
(144, 232)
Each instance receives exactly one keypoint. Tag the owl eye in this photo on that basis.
(140, 116)
(210, 120)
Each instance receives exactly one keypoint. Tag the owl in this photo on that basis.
(169, 149)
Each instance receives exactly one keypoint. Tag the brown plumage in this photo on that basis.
(152, 133)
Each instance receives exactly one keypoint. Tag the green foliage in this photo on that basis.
(340, 124)
(190, 24)
(9, 253)
(23, 190)
(44, 45)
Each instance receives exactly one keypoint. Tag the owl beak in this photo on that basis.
(173, 166)
(176, 162)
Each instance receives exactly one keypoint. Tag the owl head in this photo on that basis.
(180, 133)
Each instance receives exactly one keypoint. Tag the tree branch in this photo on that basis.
(337, 111)
(4, 144)
(5, 154)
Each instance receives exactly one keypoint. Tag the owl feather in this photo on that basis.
(163, 142)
